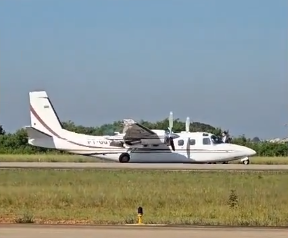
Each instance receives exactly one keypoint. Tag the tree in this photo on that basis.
(256, 139)
(2, 131)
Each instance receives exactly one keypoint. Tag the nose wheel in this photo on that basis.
(246, 162)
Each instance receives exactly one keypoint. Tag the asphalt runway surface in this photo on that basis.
(62, 231)
(142, 166)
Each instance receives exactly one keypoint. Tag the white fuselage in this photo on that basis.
(189, 148)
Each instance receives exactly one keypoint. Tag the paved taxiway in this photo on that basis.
(60, 231)
(65, 165)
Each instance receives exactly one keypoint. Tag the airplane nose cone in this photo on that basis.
(246, 151)
(250, 152)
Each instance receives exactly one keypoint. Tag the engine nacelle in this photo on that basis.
(152, 141)
(144, 142)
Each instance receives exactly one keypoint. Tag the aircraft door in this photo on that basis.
(190, 143)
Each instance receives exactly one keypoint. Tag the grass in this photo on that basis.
(83, 159)
(112, 197)
(48, 158)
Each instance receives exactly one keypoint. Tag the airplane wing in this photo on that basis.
(135, 132)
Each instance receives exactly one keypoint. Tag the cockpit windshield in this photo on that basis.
(216, 139)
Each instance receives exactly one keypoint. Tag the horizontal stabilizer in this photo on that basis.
(36, 134)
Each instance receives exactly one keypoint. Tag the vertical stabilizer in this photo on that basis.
(42, 114)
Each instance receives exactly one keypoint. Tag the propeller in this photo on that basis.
(187, 124)
(170, 133)
(187, 129)
(170, 123)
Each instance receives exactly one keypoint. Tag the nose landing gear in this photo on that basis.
(245, 160)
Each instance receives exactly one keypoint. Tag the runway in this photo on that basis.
(201, 167)
(59, 231)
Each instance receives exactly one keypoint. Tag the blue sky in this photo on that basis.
(220, 62)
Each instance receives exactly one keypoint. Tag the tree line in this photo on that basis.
(17, 143)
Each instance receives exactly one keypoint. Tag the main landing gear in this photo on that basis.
(124, 158)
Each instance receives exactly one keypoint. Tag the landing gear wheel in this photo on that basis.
(124, 158)
(246, 162)
(226, 162)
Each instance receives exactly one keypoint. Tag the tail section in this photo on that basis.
(42, 114)
(39, 138)
(35, 134)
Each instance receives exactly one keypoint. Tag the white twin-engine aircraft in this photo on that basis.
(137, 144)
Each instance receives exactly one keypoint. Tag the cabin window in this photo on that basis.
(180, 142)
(206, 141)
(192, 142)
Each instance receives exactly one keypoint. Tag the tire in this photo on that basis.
(124, 158)
(246, 162)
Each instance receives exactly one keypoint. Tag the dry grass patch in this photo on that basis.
(112, 197)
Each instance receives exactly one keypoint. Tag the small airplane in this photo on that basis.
(137, 144)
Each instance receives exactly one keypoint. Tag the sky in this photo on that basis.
(220, 62)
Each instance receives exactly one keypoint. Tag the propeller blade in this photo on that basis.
(187, 124)
(188, 147)
(170, 122)
(172, 144)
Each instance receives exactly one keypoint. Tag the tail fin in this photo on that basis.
(42, 114)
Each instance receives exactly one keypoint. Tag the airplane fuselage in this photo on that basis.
(189, 148)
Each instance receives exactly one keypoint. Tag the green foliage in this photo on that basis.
(2, 131)
(16, 143)
(263, 148)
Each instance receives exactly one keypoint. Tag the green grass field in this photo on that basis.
(83, 159)
(112, 197)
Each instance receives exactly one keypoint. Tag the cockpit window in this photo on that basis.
(206, 141)
(216, 139)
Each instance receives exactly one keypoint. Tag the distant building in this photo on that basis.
(279, 140)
